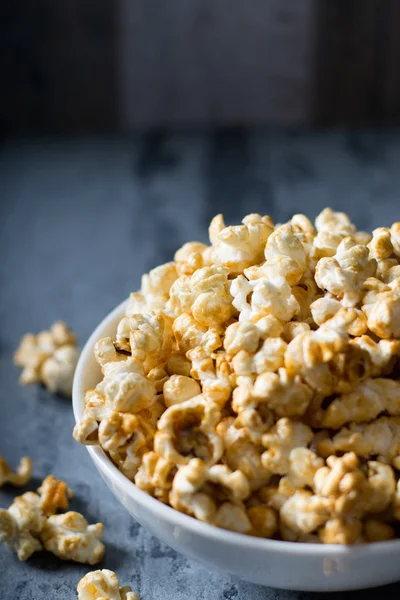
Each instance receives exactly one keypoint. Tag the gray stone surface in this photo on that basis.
(80, 221)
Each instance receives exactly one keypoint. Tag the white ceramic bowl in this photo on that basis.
(278, 564)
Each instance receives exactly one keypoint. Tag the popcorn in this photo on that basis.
(215, 376)
(272, 296)
(103, 585)
(285, 255)
(21, 524)
(70, 537)
(190, 257)
(197, 489)
(383, 316)
(188, 429)
(264, 521)
(303, 513)
(22, 474)
(179, 388)
(155, 475)
(54, 495)
(334, 222)
(205, 294)
(381, 438)
(344, 274)
(49, 358)
(366, 402)
(240, 246)
(280, 441)
(252, 383)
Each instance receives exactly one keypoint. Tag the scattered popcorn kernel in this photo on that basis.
(54, 495)
(49, 358)
(103, 585)
(21, 524)
(21, 476)
(70, 537)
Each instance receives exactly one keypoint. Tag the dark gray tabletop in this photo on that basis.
(80, 221)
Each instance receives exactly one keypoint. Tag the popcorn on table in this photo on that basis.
(31, 524)
(103, 585)
(22, 474)
(49, 358)
(254, 383)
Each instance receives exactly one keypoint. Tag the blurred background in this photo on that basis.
(117, 65)
(126, 125)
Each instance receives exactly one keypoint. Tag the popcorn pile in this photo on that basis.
(31, 524)
(49, 358)
(254, 383)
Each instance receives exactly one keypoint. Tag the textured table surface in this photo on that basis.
(80, 221)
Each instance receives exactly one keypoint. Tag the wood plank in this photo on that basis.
(205, 62)
(347, 71)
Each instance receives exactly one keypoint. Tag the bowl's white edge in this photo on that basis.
(180, 519)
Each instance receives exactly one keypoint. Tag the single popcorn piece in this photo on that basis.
(22, 474)
(380, 246)
(240, 246)
(326, 308)
(49, 358)
(341, 531)
(370, 398)
(205, 295)
(344, 274)
(198, 489)
(334, 222)
(188, 430)
(214, 376)
(270, 357)
(264, 521)
(155, 475)
(189, 334)
(21, 525)
(179, 388)
(304, 513)
(54, 495)
(285, 255)
(383, 316)
(70, 537)
(103, 585)
(283, 437)
(192, 256)
(285, 394)
(157, 284)
(272, 296)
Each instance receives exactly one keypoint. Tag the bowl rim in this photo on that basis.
(177, 518)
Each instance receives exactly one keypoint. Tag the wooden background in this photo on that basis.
(119, 65)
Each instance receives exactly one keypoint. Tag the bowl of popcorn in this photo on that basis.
(244, 406)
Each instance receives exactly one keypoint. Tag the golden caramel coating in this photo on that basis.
(254, 383)
(103, 585)
(70, 537)
(22, 474)
(49, 358)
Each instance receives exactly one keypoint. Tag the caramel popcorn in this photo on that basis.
(253, 383)
(70, 537)
(21, 476)
(103, 585)
(31, 524)
(49, 358)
